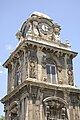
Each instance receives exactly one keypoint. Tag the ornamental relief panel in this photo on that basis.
(32, 64)
(32, 68)
(70, 72)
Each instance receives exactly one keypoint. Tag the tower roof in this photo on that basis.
(39, 29)
(39, 14)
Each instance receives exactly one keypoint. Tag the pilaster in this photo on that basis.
(40, 56)
(30, 110)
(24, 64)
(66, 75)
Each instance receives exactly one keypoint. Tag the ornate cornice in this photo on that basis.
(44, 44)
(42, 85)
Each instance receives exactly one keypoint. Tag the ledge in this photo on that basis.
(41, 84)
(40, 42)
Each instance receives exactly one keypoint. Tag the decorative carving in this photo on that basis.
(62, 61)
(32, 69)
(70, 74)
(55, 110)
(74, 100)
(32, 63)
(32, 54)
(44, 61)
(59, 68)
(56, 29)
(19, 34)
(68, 44)
(14, 110)
(35, 28)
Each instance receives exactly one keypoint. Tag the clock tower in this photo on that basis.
(40, 74)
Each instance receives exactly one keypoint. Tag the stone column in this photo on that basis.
(68, 113)
(24, 66)
(74, 116)
(41, 112)
(12, 79)
(19, 82)
(71, 112)
(78, 113)
(30, 110)
(67, 99)
(37, 112)
(34, 111)
(28, 64)
(9, 85)
(26, 109)
(45, 114)
(22, 110)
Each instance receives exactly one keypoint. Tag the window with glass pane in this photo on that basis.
(51, 73)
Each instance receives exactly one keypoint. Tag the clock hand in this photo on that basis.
(45, 28)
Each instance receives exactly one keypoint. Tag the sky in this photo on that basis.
(13, 13)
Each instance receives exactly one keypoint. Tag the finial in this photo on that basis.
(19, 34)
(67, 43)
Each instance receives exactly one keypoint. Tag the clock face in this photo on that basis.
(45, 28)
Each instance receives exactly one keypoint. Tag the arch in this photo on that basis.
(59, 110)
(55, 60)
(55, 98)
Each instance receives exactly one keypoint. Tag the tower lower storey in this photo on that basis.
(42, 101)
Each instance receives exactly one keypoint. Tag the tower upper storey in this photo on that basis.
(40, 54)
(41, 26)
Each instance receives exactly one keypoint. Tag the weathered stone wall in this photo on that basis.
(34, 103)
(31, 63)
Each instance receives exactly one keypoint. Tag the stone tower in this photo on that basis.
(40, 74)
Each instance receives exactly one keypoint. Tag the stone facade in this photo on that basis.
(40, 74)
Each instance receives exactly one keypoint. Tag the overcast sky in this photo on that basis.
(14, 12)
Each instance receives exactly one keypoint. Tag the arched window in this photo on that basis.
(26, 30)
(51, 73)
